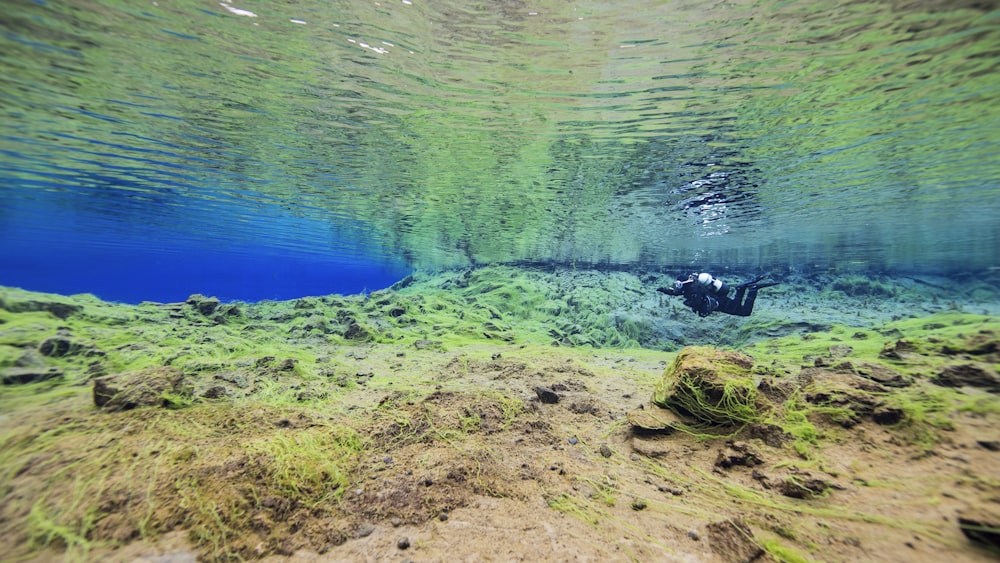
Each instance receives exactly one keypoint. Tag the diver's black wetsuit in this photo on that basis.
(706, 298)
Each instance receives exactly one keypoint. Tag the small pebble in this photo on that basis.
(396, 522)
(638, 504)
(573, 441)
(443, 517)
(403, 543)
(693, 535)
(605, 450)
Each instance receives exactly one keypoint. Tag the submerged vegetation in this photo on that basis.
(268, 428)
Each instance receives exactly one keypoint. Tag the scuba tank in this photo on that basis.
(712, 285)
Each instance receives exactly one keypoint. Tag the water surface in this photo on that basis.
(410, 134)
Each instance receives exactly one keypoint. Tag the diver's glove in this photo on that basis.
(676, 289)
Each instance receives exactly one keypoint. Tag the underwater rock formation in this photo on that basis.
(711, 387)
(140, 388)
(981, 524)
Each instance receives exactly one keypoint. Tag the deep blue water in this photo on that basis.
(50, 246)
(171, 272)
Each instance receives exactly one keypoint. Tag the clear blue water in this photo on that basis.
(255, 150)
(116, 251)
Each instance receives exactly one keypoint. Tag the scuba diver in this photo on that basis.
(706, 294)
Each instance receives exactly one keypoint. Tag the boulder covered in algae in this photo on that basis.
(156, 386)
(706, 386)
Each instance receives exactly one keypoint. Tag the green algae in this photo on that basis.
(796, 423)
(181, 477)
(781, 552)
(314, 463)
(289, 428)
(729, 397)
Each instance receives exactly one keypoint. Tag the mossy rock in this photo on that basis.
(843, 397)
(17, 301)
(863, 286)
(714, 387)
(157, 386)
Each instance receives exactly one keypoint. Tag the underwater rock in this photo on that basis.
(778, 389)
(980, 344)
(58, 347)
(356, 332)
(737, 453)
(228, 310)
(882, 375)
(887, 416)
(585, 407)
(546, 395)
(215, 392)
(405, 282)
(971, 374)
(173, 310)
(711, 386)
(305, 303)
(211, 308)
(204, 305)
(733, 541)
(364, 530)
(654, 418)
(131, 389)
(898, 350)
(33, 374)
(991, 445)
(875, 372)
(803, 486)
(846, 397)
(771, 434)
(57, 309)
(981, 525)
(427, 344)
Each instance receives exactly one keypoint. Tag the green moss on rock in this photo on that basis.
(714, 387)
